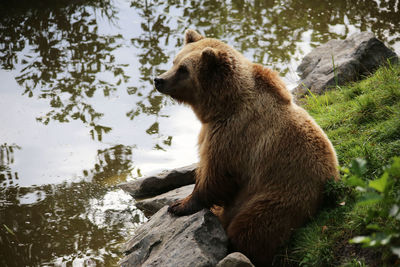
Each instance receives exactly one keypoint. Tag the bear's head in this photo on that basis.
(216, 80)
(204, 73)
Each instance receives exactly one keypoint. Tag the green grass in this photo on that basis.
(362, 120)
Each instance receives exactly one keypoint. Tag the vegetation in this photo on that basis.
(360, 222)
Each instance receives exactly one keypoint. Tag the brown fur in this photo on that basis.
(263, 160)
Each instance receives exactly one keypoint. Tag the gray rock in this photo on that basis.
(360, 54)
(167, 240)
(159, 184)
(235, 259)
(149, 206)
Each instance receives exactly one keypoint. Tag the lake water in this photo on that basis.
(79, 113)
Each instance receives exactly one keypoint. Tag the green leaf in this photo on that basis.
(380, 184)
(396, 251)
(385, 240)
(370, 198)
(377, 239)
(394, 210)
(360, 240)
(344, 170)
(373, 227)
(394, 169)
(356, 181)
(358, 167)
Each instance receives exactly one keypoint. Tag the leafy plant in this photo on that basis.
(383, 202)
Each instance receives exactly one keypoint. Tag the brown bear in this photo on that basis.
(263, 160)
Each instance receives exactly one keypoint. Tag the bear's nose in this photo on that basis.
(158, 82)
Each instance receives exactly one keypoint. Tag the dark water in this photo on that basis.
(79, 113)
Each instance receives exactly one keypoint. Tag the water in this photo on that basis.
(79, 113)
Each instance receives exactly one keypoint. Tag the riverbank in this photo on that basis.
(362, 121)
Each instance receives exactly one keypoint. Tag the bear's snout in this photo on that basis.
(159, 84)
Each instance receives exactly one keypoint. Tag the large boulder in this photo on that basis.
(149, 206)
(167, 240)
(161, 183)
(341, 61)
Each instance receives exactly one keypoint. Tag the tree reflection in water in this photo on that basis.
(59, 52)
(271, 30)
(7, 177)
(77, 221)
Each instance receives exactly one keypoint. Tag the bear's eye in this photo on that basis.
(182, 69)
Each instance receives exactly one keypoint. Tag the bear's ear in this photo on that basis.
(209, 55)
(213, 57)
(192, 36)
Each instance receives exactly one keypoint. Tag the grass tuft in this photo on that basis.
(363, 121)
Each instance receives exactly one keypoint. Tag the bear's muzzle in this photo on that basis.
(159, 84)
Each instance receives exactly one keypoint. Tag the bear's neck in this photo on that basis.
(212, 111)
(252, 107)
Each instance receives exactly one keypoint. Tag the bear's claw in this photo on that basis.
(183, 207)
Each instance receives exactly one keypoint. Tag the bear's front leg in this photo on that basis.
(189, 205)
(211, 188)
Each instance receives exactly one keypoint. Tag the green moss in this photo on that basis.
(363, 121)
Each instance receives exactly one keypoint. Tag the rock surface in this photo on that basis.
(167, 240)
(159, 184)
(235, 259)
(149, 206)
(360, 54)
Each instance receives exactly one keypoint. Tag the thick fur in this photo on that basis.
(263, 160)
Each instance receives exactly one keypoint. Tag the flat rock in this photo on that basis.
(167, 240)
(235, 259)
(149, 206)
(340, 61)
(161, 183)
